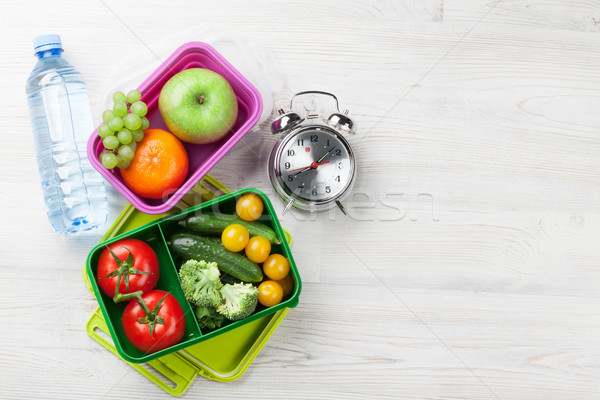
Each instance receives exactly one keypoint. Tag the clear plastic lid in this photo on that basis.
(254, 62)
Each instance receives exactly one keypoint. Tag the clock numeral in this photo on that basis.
(290, 178)
(340, 165)
(337, 178)
(338, 152)
(301, 188)
(291, 153)
(327, 189)
(327, 142)
(314, 192)
(314, 138)
(287, 165)
(300, 142)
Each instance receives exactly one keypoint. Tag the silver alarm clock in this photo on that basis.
(312, 166)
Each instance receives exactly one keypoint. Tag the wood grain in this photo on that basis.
(467, 267)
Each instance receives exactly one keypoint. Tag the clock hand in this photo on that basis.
(326, 154)
(314, 165)
(305, 169)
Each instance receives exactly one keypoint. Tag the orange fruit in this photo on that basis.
(159, 166)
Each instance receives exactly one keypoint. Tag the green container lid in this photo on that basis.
(223, 358)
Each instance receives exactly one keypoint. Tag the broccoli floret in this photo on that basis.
(208, 318)
(200, 283)
(239, 301)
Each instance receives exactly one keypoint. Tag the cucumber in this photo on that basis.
(215, 224)
(191, 246)
(229, 279)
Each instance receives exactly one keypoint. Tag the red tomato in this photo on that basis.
(168, 321)
(143, 259)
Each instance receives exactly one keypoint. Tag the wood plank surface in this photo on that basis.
(468, 265)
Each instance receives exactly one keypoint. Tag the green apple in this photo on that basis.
(198, 105)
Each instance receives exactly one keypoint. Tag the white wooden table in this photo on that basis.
(469, 264)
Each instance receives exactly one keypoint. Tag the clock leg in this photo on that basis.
(288, 206)
(341, 206)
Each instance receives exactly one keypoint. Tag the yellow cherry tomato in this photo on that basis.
(235, 237)
(258, 249)
(270, 293)
(249, 207)
(276, 267)
(287, 284)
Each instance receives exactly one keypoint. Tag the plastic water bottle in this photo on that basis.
(61, 119)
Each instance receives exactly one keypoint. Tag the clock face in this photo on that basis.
(315, 165)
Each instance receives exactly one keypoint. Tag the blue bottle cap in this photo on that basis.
(46, 42)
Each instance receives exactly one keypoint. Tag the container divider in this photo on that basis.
(187, 307)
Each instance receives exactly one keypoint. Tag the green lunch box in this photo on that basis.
(223, 354)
